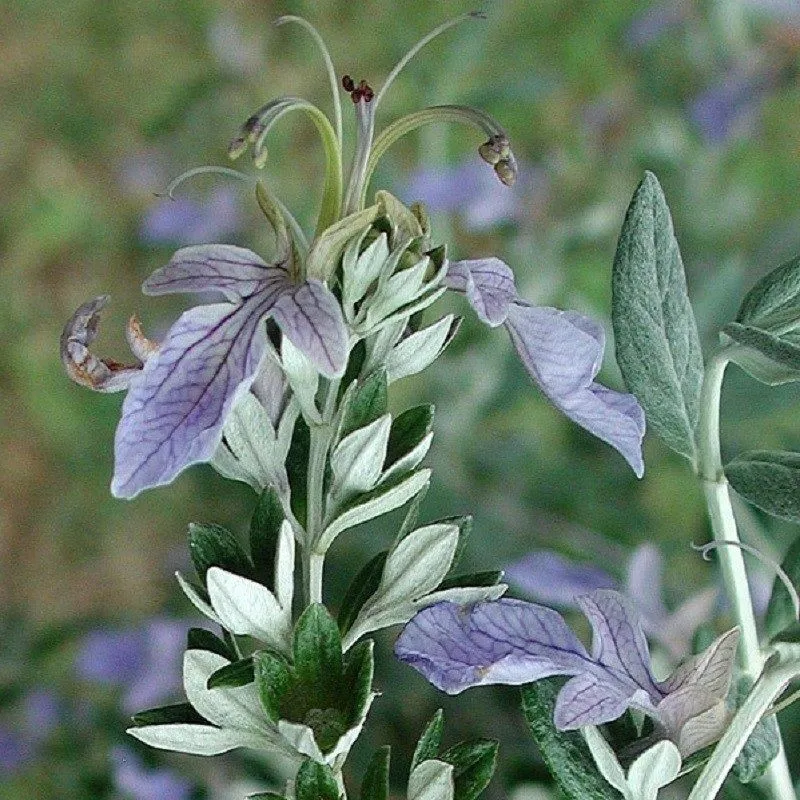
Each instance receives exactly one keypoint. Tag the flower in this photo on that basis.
(179, 398)
(548, 577)
(137, 782)
(561, 351)
(514, 642)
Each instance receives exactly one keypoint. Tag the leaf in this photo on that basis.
(315, 782)
(774, 302)
(359, 668)
(489, 578)
(297, 469)
(303, 378)
(658, 766)
(168, 715)
(238, 673)
(761, 747)
(419, 350)
(431, 780)
(408, 430)
(375, 785)
(359, 272)
(273, 677)
(771, 359)
(264, 528)
(198, 597)
(769, 480)
(780, 611)
(201, 639)
(658, 348)
(357, 460)
(200, 740)
(565, 752)
(215, 546)
(430, 741)
(362, 587)
(317, 647)
(473, 766)
(370, 401)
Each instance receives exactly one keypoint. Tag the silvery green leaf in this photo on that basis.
(463, 595)
(365, 401)
(401, 217)
(407, 440)
(199, 740)
(303, 378)
(362, 272)
(192, 592)
(358, 459)
(605, 759)
(315, 781)
(769, 358)
(774, 302)
(324, 255)
(397, 291)
(653, 769)
(381, 500)
(301, 738)
(284, 568)
(419, 350)
(431, 780)
(769, 480)
(410, 460)
(763, 744)
(658, 348)
(247, 608)
(227, 465)
(422, 301)
(384, 339)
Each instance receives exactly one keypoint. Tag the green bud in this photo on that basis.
(507, 171)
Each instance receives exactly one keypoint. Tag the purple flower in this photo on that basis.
(561, 351)
(136, 782)
(16, 750)
(178, 400)
(651, 24)
(147, 660)
(548, 577)
(42, 712)
(514, 642)
(186, 221)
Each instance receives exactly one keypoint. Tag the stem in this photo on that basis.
(784, 667)
(734, 575)
(313, 561)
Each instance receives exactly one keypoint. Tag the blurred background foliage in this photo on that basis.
(104, 102)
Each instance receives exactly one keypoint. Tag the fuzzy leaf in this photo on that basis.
(357, 460)
(431, 740)
(419, 350)
(774, 302)
(431, 780)
(473, 767)
(317, 647)
(238, 673)
(215, 546)
(168, 715)
(375, 785)
(658, 348)
(273, 677)
(771, 359)
(200, 740)
(264, 528)
(201, 639)
(408, 430)
(362, 587)
(369, 402)
(315, 782)
(761, 747)
(769, 480)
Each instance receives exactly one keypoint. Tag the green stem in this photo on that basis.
(781, 669)
(313, 561)
(723, 526)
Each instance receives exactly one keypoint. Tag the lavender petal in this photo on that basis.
(562, 351)
(489, 286)
(234, 271)
(174, 411)
(310, 316)
(588, 699)
(644, 583)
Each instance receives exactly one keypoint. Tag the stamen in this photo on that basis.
(358, 93)
(191, 173)
(773, 565)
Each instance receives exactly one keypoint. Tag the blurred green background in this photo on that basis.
(104, 102)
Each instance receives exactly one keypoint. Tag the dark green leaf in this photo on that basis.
(354, 364)
(265, 796)
(430, 741)
(264, 527)
(768, 358)
(464, 530)
(489, 578)
(769, 480)
(473, 767)
(238, 673)
(733, 790)
(375, 785)
(658, 348)
(201, 639)
(215, 546)
(297, 469)
(369, 402)
(761, 747)
(780, 611)
(412, 515)
(317, 647)
(362, 587)
(359, 668)
(273, 676)
(565, 752)
(408, 430)
(315, 782)
(168, 715)
(774, 302)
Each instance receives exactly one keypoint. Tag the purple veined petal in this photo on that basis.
(506, 641)
(644, 586)
(489, 286)
(618, 641)
(676, 630)
(710, 670)
(561, 351)
(234, 271)
(588, 699)
(549, 578)
(310, 316)
(174, 411)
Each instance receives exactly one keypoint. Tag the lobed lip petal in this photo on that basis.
(175, 409)
(488, 284)
(236, 272)
(561, 351)
(81, 365)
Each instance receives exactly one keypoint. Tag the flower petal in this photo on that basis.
(562, 351)
(175, 409)
(489, 286)
(589, 700)
(644, 582)
(506, 641)
(234, 271)
(311, 318)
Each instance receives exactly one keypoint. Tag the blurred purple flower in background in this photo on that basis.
(146, 660)
(38, 714)
(474, 192)
(16, 750)
(187, 221)
(238, 52)
(137, 782)
(648, 26)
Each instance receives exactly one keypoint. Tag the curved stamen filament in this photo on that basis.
(209, 170)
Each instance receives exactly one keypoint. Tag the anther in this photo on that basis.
(348, 83)
(358, 93)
